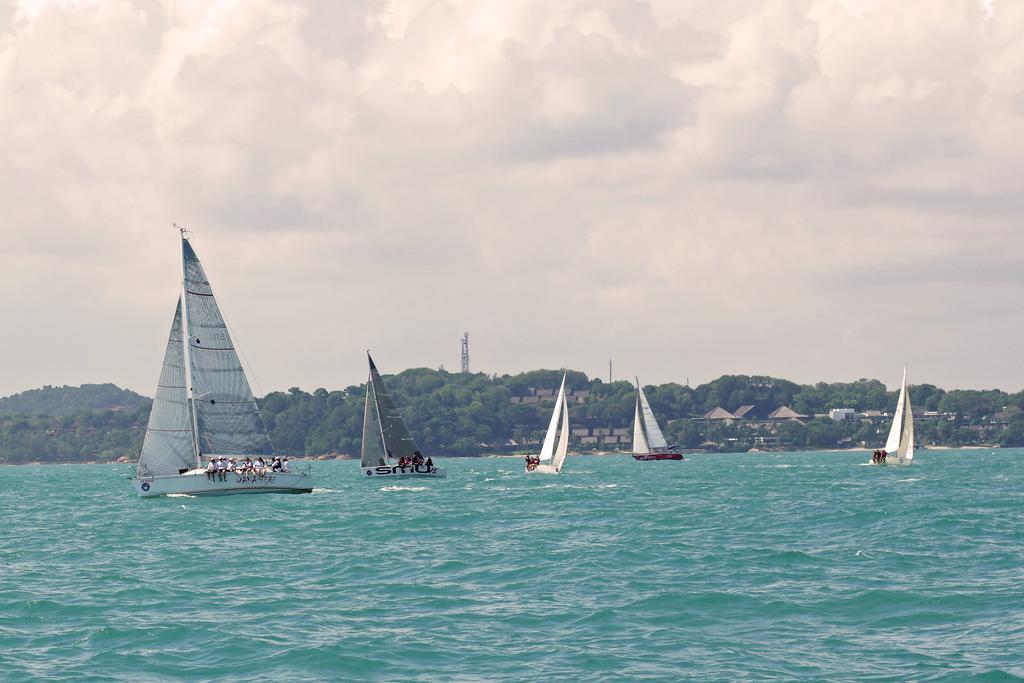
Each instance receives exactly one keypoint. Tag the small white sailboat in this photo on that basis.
(648, 441)
(899, 447)
(385, 435)
(551, 456)
(203, 407)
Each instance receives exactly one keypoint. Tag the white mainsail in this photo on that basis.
(372, 450)
(169, 445)
(227, 420)
(560, 413)
(563, 438)
(640, 444)
(647, 436)
(906, 450)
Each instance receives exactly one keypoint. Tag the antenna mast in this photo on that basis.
(465, 352)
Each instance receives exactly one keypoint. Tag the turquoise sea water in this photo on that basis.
(724, 567)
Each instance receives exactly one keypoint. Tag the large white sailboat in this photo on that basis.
(899, 447)
(648, 441)
(204, 407)
(385, 435)
(552, 456)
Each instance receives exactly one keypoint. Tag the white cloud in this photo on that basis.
(810, 188)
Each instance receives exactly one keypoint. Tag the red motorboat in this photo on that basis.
(659, 456)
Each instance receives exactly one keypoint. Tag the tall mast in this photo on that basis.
(188, 350)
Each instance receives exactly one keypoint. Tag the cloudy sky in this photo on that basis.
(813, 189)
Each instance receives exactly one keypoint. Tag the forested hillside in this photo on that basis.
(63, 401)
(471, 414)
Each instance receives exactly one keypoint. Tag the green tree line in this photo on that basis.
(472, 414)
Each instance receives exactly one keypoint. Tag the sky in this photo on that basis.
(820, 190)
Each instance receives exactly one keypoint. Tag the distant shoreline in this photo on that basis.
(329, 458)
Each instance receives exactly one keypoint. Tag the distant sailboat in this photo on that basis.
(899, 447)
(218, 417)
(385, 435)
(648, 441)
(551, 456)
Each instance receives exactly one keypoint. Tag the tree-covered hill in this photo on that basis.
(64, 401)
(471, 414)
(85, 436)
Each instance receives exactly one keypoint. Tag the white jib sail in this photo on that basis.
(547, 451)
(906, 449)
(372, 452)
(563, 437)
(892, 444)
(227, 419)
(169, 445)
(655, 439)
(640, 445)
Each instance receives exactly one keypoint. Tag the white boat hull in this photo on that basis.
(396, 472)
(196, 483)
(892, 461)
(544, 469)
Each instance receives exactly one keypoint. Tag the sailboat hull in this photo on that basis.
(645, 457)
(196, 483)
(544, 469)
(892, 461)
(396, 472)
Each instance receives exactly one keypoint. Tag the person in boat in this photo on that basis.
(276, 465)
(222, 468)
(881, 456)
(247, 465)
(284, 466)
(430, 464)
(261, 467)
(232, 465)
(211, 469)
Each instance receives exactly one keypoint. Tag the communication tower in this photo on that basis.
(465, 352)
